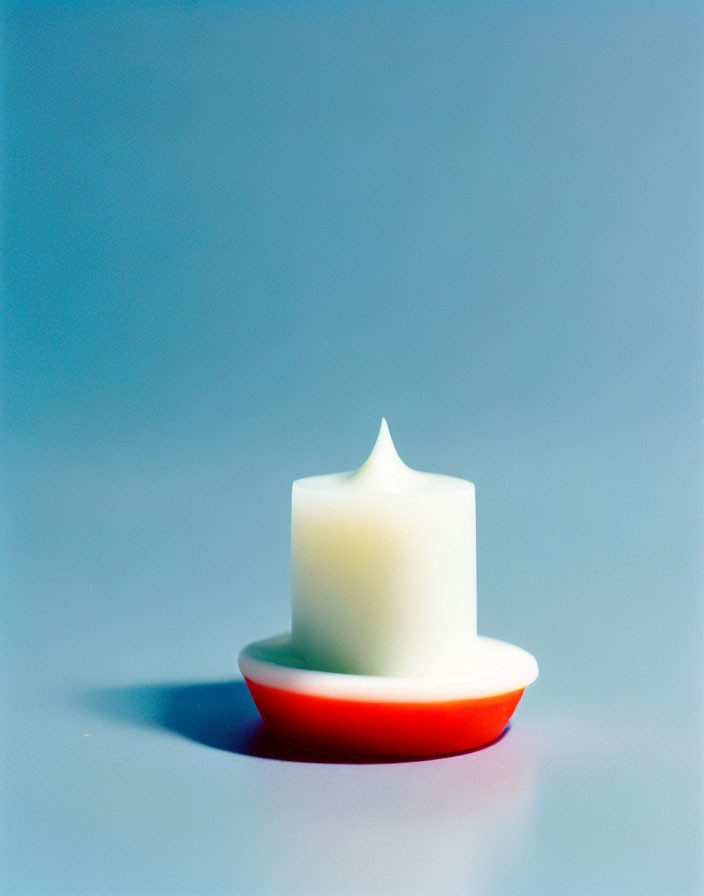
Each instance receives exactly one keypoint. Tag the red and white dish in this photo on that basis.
(384, 716)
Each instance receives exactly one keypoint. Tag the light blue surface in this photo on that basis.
(235, 236)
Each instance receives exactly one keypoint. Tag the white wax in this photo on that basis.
(384, 570)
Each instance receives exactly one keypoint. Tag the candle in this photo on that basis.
(383, 657)
(384, 570)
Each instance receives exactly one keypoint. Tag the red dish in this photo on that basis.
(383, 729)
(365, 715)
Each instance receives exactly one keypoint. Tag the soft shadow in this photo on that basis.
(218, 714)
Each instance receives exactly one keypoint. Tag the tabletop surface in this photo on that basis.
(236, 236)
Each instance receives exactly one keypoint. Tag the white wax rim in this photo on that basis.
(493, 668)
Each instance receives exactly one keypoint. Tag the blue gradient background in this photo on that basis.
(235, 236)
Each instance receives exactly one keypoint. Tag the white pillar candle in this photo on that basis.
(384, 570)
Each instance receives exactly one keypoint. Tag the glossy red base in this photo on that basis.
(389, 728)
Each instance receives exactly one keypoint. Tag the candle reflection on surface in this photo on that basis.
(455, 824)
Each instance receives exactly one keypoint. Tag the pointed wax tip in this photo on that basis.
(384, 445)
(383, 470)
(383, 466)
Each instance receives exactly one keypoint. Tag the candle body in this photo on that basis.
(384, 571)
